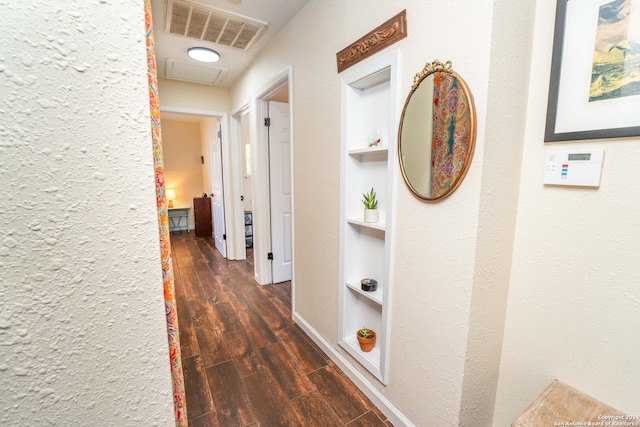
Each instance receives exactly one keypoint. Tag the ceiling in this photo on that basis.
(219, 25)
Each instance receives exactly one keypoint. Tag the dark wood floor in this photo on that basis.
(245, 362)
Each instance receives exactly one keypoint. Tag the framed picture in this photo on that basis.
(594, 90)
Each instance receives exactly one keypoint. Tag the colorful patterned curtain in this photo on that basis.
(451, 125)
(179, 401)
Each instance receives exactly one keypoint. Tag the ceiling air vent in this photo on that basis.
(202, 22)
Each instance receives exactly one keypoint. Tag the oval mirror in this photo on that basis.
(437, 132)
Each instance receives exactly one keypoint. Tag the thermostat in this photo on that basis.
(574, 167)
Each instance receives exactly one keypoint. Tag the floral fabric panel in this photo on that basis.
(179, 401)
(451, 128)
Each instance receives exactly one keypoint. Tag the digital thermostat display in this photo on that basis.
(579, 156)
(575, 168)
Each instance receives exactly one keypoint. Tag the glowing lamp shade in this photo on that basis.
(171, 196)
(203, 54)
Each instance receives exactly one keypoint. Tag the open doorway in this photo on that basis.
(247, 185)
(199, 170)
(280, 174)
(268, 163)
(242, 180)
(212, 143)
(272, 194)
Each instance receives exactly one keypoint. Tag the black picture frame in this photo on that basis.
(559, 56)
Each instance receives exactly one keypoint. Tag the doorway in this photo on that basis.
(280, 189)
(213, 154)
(213, 142)
(273, 183)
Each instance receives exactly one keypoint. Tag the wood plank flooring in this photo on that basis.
(245, 362)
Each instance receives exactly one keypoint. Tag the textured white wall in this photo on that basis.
(504, 133)
(574, 295)
(82, 325)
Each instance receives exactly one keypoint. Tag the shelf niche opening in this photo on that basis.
(369, 111)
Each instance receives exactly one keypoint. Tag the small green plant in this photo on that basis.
(369, 200)
(365, 333)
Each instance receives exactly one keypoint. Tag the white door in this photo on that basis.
(280, 188)
(217, 194)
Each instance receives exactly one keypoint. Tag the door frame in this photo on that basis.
(229, 207)
(215, 150)
(260, 162)
(238, 159)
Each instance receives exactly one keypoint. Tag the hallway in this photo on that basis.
(245, 362)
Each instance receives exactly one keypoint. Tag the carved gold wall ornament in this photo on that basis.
(381, 37)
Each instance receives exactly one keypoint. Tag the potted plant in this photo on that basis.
(366, 338)
(370, 206)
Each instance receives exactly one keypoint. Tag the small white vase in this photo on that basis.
(371, 215)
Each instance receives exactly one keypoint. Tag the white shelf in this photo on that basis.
(369, 150)
(375, 296)
(372, 80)
(370, 360)
(375, 225)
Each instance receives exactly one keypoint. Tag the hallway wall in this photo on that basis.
(82, 315)
(502, 240)
(431, 299)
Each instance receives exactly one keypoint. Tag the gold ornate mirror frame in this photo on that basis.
(436, 136)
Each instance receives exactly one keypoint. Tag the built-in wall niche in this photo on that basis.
(368, 143)
(368, 99)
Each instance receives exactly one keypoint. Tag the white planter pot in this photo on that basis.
(371, 215)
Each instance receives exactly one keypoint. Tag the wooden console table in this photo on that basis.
(178, 219)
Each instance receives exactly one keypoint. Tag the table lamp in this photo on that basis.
(171, 195)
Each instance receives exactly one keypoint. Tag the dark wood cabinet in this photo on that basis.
(202, 216)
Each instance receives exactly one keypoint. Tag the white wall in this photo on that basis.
(573, 297)
(82, 321)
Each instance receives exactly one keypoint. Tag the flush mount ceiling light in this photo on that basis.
(203, 54)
